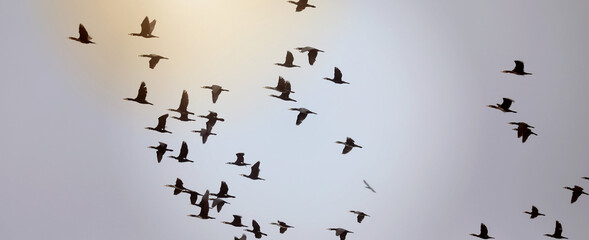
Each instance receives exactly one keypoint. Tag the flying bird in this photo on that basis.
(161, 124)
(236, 221)
(223, 191)
(337, 77)
(284, 96)
(183, 107)
(577, 192)
(204, 133)
(368, 186)
(146, 29)
(518, 69)
(282, 86)
(243, 237)
(312, 53)
(534, 213)
(288, 61)
(349, 144)
(239, 161)
(557, 232)
(283, 226)
(216, 90)
(212, 119)
(254, 172)
(340, 232)
(360, 214)
(84, 37)
(504, 107)
(301, 5)
(178, 187)
(204, 207)
(524, 133)
(153, 59)
(141, 94)
(183, 153)
(256, 230)
(219, 203)
(303, 112)
(484, 233)
(161, 150)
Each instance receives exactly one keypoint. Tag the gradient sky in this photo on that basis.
(77, 166)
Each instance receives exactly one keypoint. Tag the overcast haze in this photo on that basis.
(76, 163)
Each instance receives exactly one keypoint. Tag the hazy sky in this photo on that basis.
(77, 166)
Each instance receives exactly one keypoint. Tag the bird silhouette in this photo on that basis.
(236, 221)
(504, 107)
(84, 37)
(178, 187)
(204, 133)
(161, 124)
(577, 192)
(337, 77)
(281, 86)
(183, 153)
(534, 213)
(223, 191)
(216, 90)
(256, 230)
(219, 203)
(146, 29)
(484, 233)
(141, 94)
(153, 59)
(368, 186)
(240, 161)
(360, 214)
(518, 69)
(557, 232)
(312, 53)
(340, 232)
(301, 5)
(243, 237)
(349, 144)
(183, 107)
(212, 119)
(283, 226)
(288, 61)
(524, 133)
(303, 112)
(521, 126)
(161, 150)
(254, 172)
(204, 207)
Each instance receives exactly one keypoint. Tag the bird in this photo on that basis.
(178, 187)
(360, 214)
(577, 192)
(557, 232)
(84, 37)
(223, 191)
(236, 221)
(154, 59)
(283, 226)
(212, 119)
(337, 77)
(161, 124)
(303, 112)
(368, 186)
(340, 232)
(183, 153)
(534, 213)
(312, 53)
(504, 107)
(254, 172)
(484, 233)
(141, 94)
(183, 117)
(204, 133)
(161, 150)
(204, 207)
(256, 230)
(218, 202)
(301, 5)
(349, 145)
(183, 107)
(518, 69)
(524, 133)
(521, 126)
(288, 61)
(243, 237)
(282, 86)
(239, 161)
(284, 96)
(216, 90)
(146, 29)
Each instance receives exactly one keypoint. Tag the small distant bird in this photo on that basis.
(240, 161)
(577, 192)
(534, 213)
(146, 29)
(161, 150)
(288, 61)
(243, 237)
(154, 59)
(161, 124)
(254, 172)
(368, 186)
(284, 96)
(216, 90)
(178, 187)
(183, 107)
(349, 145)
(340, 232)
(302, 114)
(141, 94)
(183, 153)
(236, 221)
(301, 5)
(256, 230)
(223, 191)
(518, 70)
(283, 226)
(84, 37)
(337, 77)
(204, 207)
(312, 53)
(557, 232)
(204, 133)
(484, 233)
(282, 86)
(360, 214)
(219, 203)
(504, 107)
(212, 119)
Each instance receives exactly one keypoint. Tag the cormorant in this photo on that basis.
(161, 150)
(84, 37)
(141, 94)
(153, 59)
(146, 29)
(288, 61)
(161, 124)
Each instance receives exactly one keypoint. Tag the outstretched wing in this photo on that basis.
(183, 150)
(83, 32)
(289, 58)
(337, 74)
(145, 27)
(183, 102)
(519, 66)
(142, 92)
(161, 122)
(151, 26)
(312, 56)
(153, 61)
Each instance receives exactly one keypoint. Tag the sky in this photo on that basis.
(421, 73)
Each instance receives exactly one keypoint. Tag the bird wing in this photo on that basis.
(151, 26)
(484, 230)
(183, 150)
(526, 133)
(312, 56)
(558, 229)
(83, 32)
(161, 122)
(193, 197)
(360, 218)
(576, 195)
(519, 66)
(534, 210)
(256, 226)
(281, 84)
(153, 61)
(342, 236)
(337, 74)
(287, 87)
(204, 205)
(506, 103)
(368, 186)
(289, 57)
(224, 188)
(301, 5)
(301, 117)
(145, 26)
(255, 170)
(183, 102)
(159, 154)
(240, 159)
(237, 220)
(142, 92)
(216, 93)
(282, 229)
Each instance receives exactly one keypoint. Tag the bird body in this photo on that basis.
(534, 213)
(349, 144)
(577, 192)
(557, 232)
(283, 226)
(146, 29)
(523, 130)
(141, 95)
(518, 69)
(360, 214)
(162, 148)
(312, 53)
(288, 61)
(337, 77)
(256, 230)
(255, 171)
(340, 232)
(303, 112)
(183, 153)
(161, 124)
(204, 133)
(301, 5)
(484, 233)
(236, 221)
(216, 91)
(240, 161)
(153, 59)
(504, 107)
(83, 35)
